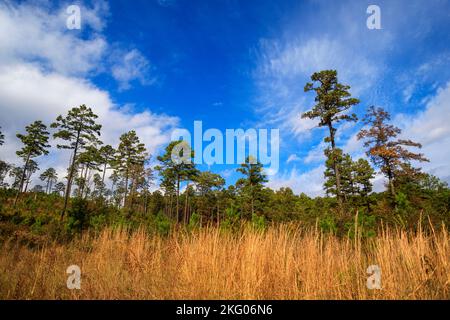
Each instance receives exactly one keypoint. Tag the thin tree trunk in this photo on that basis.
(178, 197)
(335, 166)
(104, 172)
(126, 188)
(170, 206)
(71, 172)
(22, 179)
(390, 178)
(145, 203)
(186, 220)
(85, 185)
(218, 212)
(28, 182)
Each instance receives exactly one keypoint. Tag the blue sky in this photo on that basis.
(155, 65)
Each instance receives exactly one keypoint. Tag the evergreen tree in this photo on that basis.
(31, 168)
(78, 128)
(89, 160)
(332, 101)
(50, 176)
(107, 157)
(362, 174)
(99, 186)
(34, 145)
(130, 154)
(386, 152)
(208, 186)
(38, 189)
(16, 174)
(252, 184)
(176, 166)
(60, 188)
(4, 169)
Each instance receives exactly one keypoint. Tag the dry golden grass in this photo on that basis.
(281, 263)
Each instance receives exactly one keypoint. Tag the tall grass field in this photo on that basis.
(282, 262)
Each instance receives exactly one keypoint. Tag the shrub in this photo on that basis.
(328, 224)
(78, 216)
(162, 223)
(258, 222)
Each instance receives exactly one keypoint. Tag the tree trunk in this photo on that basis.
(145, 203)
(170, 206)
(335, 166)
(178, 197)
(28, 182)
(218, 212)
(22, 179)
(70, 177)
(85, 185)
(104, 172)
(126, 188)
(390, 177)
(186, 220)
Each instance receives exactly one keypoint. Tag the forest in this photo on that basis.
(111, 185)
(106, 194)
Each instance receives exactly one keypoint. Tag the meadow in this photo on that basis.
(282, 262)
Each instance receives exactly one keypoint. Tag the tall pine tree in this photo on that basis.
(34, 145)
(79, 129)
(130, 153)
(332, 99)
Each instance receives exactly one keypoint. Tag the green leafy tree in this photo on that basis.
(333, 100)
(60, 188)
(99, 186)
(149, 177)
(16, 174)
(79, 129)
(363, 173)
(209, 186)
(31, 168)
(4, 169)
(49, 176)
(89, 160)
(253, 182)
(176, 166)
(337, 160)
(107, 157)
(35, 144)
(355, 176)
(38, 189)
(130, 153)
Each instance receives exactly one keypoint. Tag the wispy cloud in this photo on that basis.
(131, 66)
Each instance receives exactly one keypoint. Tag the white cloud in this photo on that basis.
(45, 69)
(26, 94)
(131, 66)
(430, 127)
(316, 154)
(34, 33)
(309, 182)
(293, 158)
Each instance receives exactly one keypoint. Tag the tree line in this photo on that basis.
(348, 182)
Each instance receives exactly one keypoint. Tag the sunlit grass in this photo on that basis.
(283, 262)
